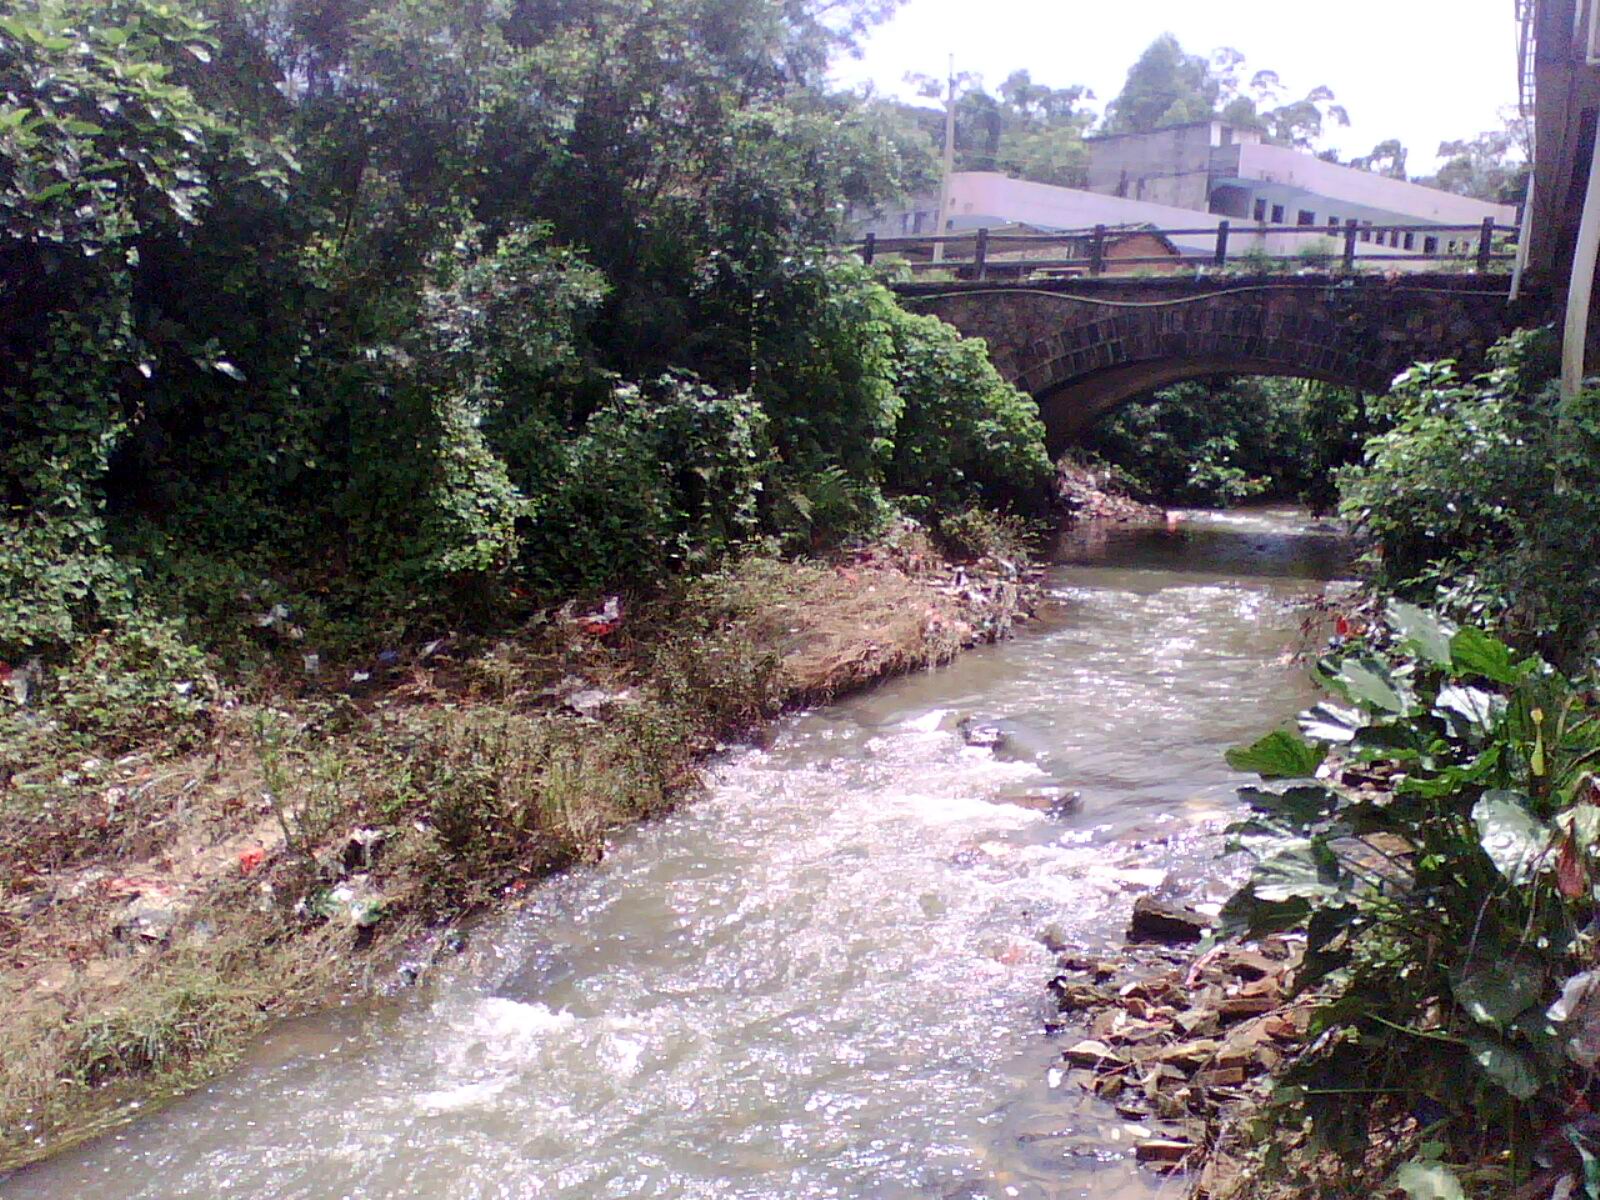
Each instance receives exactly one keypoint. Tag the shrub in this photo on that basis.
(979, 532)
(963, 434)
(1482, 495)
(1443, 866)
(659, 479)
(1221, 441)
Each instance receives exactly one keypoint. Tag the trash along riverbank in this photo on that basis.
(328, 842)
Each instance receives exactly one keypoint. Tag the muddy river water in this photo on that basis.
(825, 978)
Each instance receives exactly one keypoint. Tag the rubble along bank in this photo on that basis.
(162, 908)
(1181, 1043)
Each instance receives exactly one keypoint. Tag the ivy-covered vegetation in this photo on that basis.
(1219, 442)
(1434, 828)
(386, 315)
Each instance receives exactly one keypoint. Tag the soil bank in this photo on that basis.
(328, 841)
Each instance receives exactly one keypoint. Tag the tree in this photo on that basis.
(1042, 131)
(1166, 86)
(1029, 130)
(1492, 166)
(1258, 103)
(1387, 158)
(1170, 87)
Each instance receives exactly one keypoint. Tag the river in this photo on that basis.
(825, 978)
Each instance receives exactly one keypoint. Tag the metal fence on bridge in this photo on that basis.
(982, 254)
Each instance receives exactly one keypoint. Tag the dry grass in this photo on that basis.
(482, 765)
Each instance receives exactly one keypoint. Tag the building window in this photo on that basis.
(916, 225)
(1366, 231)
(1430, 245)
(1394, 239)
(1277, 214)
(1261, 210)
(905, 223)
(1307, 218)
(1452, 247)
(1333, 224)
(1411, 241)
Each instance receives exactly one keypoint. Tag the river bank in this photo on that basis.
(327, 842)
(827, 975)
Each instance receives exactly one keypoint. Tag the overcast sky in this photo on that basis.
(1420, 70)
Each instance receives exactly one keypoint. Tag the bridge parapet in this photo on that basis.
(1350, 247)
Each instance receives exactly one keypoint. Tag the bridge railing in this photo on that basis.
(983, 254)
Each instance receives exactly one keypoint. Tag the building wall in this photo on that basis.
(915, 216)
(1170, 166)
(1343, 189)
(988, 198)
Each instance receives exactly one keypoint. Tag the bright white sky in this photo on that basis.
(1420, 70)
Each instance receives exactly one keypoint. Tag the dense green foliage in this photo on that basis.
(1169, 86)
(1481, 496)
(1026, 129)
(1220, 441)
(1444, 872)
(1443, 861)
(382, 313)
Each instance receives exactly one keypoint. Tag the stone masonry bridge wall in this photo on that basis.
(1083, 347)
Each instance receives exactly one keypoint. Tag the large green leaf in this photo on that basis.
(1302, 870)
(1247, 915)
(1496, 991)
(1453, 779)
(1402, 740)
(1511, 1069)
(1474, 652)
(1300, 806)
(1423, 633)
(1512, 837)
(1368, 681)
(1329, 723)
(1428, 1181)
(1467, 708)
(1279, 755)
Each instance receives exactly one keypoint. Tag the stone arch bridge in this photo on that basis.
(1082, 347)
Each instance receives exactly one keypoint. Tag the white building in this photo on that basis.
(1194, 177)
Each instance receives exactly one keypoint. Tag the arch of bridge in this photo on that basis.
(1083, 347)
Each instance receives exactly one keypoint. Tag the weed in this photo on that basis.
(981, 533)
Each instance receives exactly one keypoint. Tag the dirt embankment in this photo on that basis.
(159, 908)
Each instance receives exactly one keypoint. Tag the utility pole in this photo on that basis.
(949, 160)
